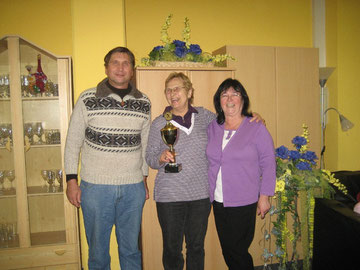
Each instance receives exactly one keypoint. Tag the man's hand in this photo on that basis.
(257, 118)
(73, 192)
(263, 206)
(146, 188)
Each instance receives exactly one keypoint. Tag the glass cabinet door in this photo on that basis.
(42, 146)
(35, 107)
(31, 190)
(8, 204)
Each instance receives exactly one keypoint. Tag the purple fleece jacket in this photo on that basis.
(247, 163)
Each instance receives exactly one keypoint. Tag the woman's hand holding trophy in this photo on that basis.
(169, 134)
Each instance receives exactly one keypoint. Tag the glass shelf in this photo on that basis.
(40, 98)
(8, 193)
(47, 238)
(43, 145)
(43, 191)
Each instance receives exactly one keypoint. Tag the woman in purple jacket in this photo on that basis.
(242, 172)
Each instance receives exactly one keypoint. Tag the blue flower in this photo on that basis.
(294, 155)
(299, 141)
(310, 156)
(179, 43)
(180, 51)
(157, 48)
(282, 152)
(304, 166)
(195, 49)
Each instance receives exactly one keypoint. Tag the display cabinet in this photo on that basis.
(38, 226)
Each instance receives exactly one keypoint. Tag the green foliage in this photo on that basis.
(298, 182)
(180, 51)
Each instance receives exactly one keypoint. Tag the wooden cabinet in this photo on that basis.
(151, 81)
(283, 86)
(38, 227)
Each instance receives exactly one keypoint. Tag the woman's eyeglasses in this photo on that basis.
(226, 95)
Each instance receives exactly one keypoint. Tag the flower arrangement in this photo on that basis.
(180, 51)
(298, 181)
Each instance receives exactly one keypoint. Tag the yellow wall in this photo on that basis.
(348, 82)
(87, 29)
(343, 43)
(214, 23)
(43, 22)
(97, 28)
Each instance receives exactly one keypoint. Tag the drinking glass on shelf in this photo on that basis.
(52, 136)
(7, 133)
(56, 89)
(4, 133)
(2, 88)
(39, 131)
(3, 236)
(44, 177)
(10, 231)
(58, 176)
(29, 131)
(7, 85)
(51, 180)
(2, 179)
(24, 85)
(10, 175)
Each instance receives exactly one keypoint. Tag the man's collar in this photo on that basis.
(102, 90)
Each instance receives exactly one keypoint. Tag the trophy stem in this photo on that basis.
(172, 151)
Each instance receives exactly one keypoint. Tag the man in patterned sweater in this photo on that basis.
(109, 127)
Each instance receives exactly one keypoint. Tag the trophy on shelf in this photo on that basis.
(169, 135)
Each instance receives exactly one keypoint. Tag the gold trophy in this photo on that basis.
(169, 134)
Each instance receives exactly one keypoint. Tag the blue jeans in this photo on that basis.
(104, 206)
(179, 219)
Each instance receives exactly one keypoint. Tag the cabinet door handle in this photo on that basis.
(60, 252)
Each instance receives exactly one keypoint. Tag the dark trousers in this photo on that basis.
(235, 227)
(179, 219)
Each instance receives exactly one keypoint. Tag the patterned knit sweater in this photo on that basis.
(111, 134)
(191, 183)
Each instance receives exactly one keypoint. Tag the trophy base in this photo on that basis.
(173, 168)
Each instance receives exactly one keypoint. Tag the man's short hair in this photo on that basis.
(119, 50)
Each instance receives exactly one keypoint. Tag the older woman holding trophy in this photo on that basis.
(181, 185)
(181, 188)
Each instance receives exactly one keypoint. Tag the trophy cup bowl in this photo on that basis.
(169, 135)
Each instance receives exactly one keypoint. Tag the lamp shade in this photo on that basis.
(346, 124)
(324, 74)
